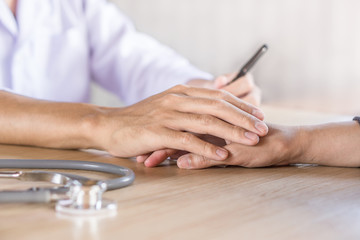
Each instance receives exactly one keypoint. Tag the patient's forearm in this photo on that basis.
(27, 121)
(335, 144)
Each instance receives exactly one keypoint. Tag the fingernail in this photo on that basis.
(259, 114)
(222, 153)
(252, 136)
(261, 127)
(184, 162)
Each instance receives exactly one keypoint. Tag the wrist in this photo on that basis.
(92, 127)
(298, 145)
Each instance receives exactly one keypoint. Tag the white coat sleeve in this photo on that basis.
(128, 63)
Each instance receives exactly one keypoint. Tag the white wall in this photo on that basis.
(314, 56)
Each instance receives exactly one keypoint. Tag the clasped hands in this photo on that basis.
(243, 132)
(202, 124)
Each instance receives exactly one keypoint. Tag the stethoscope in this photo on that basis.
(77, 195)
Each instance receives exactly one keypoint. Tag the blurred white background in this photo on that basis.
(314, 56)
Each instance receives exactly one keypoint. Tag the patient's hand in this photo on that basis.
(331, 144)
(276, 148)
(157, 157)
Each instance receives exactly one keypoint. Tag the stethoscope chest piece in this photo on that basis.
(86, 199)
(76, 195)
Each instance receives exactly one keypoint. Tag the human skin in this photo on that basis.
(165, 120)
(244, 88)
(333, 144)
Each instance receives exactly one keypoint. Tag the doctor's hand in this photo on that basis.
(167, 121)
(281, 145)
(244, 87)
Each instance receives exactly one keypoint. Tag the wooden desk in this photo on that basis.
(303, 202)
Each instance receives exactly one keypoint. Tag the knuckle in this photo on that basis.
(206, 120)
(249, 121)
(169, 99)
(199, 162)
(222, 94)
(237, 132)
(217, 103)
(187, 139)
(207, 148)
(244, 105)
(180, 88)
(247, 108)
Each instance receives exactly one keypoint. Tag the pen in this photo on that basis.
(244, 70)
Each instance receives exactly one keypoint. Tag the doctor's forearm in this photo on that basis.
(27, 121)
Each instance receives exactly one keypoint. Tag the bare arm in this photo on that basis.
(334, 144)
(28, 121)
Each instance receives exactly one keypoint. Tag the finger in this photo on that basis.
(188, 142)
(194, 161)
(228, 97)
(220, 95)
(158, 157)
(239, 155)
(142, 158)
(210, 125)
(224, 111)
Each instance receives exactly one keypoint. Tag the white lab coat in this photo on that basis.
(54, 47)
